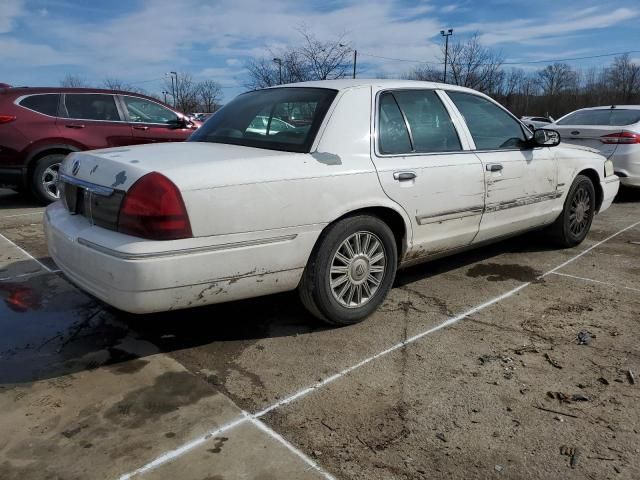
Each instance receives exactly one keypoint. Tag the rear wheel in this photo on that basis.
(45, 177)
(350, 271)
(573, 224)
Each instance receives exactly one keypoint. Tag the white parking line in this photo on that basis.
(21, 215)
(32, 274)
(596, 281)
(276, 436)
(307, 390)
(27, 254)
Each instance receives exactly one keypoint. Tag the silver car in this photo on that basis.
(536, 122)
(614, 131)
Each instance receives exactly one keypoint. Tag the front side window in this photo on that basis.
(285, 119)
(491, 127)
(47, 103)
(145, 111)
(91, 106)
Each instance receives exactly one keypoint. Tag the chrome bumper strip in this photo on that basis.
(184, 251)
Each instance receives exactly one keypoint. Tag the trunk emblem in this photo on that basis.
(75, 168)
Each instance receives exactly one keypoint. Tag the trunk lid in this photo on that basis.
(588, 136)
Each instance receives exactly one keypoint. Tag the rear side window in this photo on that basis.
(430, 123)
(46, 103)
(91, 106)
(491, 127)
(393, 136)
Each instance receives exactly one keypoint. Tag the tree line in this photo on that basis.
(555, 89)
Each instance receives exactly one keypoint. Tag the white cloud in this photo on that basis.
(9, 11)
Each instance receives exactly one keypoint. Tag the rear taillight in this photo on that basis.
(153, 208)
(7, 118)
(622, 137)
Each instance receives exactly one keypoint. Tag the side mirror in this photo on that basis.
(543, 137)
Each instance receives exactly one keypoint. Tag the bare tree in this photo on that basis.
(313, 60)
(556, 79)
(112, 83)
(209, 94)
(425, 73)
(475, 66)
(186, 92)
(73, 81)
(624, 78)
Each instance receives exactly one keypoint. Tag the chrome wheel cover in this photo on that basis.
(49, 180)
(580, 211)
(357, 269)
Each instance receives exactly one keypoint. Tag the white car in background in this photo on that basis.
(536, 122)
(375, 175)
(613, 130)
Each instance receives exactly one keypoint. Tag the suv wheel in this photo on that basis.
(45, 177)
(350, 271)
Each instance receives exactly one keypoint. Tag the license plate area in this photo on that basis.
(74, 198)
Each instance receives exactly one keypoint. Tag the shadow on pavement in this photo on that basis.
(50, 328)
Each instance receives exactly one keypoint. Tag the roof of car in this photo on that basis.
(345, 83)
(33, 90)
(607, 107)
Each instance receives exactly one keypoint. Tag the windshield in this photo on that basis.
(612, 117)
(277, 118)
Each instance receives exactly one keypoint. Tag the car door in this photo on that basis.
(151, 122)
(520, 180)
(93, 120)
(422, 165)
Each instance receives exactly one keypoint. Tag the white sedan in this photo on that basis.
(375, 175)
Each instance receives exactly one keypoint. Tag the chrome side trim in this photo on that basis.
(522, 201)
(92, 187)
(612, 179)
(450, 215)
(184, 251)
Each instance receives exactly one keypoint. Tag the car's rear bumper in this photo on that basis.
(134, 276)
(626, 163)
(610, 186)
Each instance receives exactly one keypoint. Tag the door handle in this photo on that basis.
(494, 167)
(140, 127)
(404, 176)
(75, 125)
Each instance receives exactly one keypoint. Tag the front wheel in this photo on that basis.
(573, 224)
(350, 271)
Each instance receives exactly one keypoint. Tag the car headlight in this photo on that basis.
(608, 168)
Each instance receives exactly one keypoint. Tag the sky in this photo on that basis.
(138, 41)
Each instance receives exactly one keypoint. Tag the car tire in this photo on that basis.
(45, 176)
(573, 224)
(350, 270)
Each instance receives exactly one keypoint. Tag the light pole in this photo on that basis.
(446, 36)
(355, 58)
(173, 87)
(165, 96)
(279, 62)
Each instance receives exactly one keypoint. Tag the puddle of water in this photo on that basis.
(496, 272)
(49, 328)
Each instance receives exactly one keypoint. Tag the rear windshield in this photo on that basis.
(616, 117)
(285, 119)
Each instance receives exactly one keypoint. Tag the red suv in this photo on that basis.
(39, 126)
